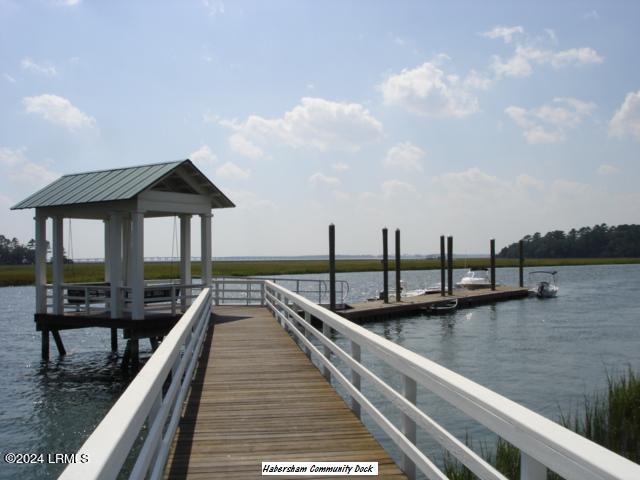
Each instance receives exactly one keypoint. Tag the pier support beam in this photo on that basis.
(332, 267)
(205, 237)
(58, 265)
(450, 265)
(41, 263)
(521, 263)
(59, 345)
(107, 250)
(398, 283)
(185, 260)
(45, 345)
(492, 249)
(385, 267)
(443, 282)
(114, 340)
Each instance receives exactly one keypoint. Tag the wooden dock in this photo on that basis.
(377, 309)
(256, 397)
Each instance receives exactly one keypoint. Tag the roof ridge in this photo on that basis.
(124, 168)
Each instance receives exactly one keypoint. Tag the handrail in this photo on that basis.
(144, 402)
(543, 443)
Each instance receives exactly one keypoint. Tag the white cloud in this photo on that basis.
(549, 123)
(58, 110)
(322, 179)
(592, 15)
(527, 181)
(427, 90)
(396, 188)
(9, 78)
(66, 3)
(626, 121)
(340, 167)
(606, 169)
(215, 7)
(45, 69)
(404, 156)
(521, 63)
(506, 33)
(244, 147)
(233, 171)
(247, 200)
(203, 157)
(19, 169)
(315, 123)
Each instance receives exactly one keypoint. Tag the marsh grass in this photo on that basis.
(94, 272)
(611, 419)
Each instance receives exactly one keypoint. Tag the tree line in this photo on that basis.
(12, 252)
(587, 242)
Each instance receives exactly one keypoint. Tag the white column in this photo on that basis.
(115, 263)
(41, 263)
(126, 250)
(107, 252)
(136, 264)
(205, 234)
(185, 258)
(58, 265)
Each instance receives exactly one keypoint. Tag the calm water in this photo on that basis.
(545, 354)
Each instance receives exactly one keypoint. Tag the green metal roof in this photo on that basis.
(116, 184)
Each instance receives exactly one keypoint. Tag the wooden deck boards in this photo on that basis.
(256, 397)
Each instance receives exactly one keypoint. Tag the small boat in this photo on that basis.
(544, 283)
(476, 277)
(446, 306)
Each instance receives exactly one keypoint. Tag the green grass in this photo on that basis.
(93, 272)
(611, 419)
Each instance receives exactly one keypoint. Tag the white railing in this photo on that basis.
(543, 444)
(146, 403)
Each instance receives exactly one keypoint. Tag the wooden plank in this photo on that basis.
(256, 397)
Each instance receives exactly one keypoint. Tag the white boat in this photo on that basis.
(475, 278)
(544, 283)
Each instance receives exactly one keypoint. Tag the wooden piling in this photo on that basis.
(135, 354)
(492, 249)
(45, 345)
(398, 283)
(450, 265)
(521, 266)
(114, 340)
(385, 267)
(332, 267)
(443, 283)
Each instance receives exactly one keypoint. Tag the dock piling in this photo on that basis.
(45, 345)
(450, 265)
(114, 340)
(59, 345)
(398, 283)
(443, 283)
(332, 267)
(492, 247)
(521, 265)
(385, 267)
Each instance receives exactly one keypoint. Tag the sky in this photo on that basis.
(474, 119)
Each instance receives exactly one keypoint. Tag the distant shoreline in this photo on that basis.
(14, 275)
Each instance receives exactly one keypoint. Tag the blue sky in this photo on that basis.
(476, 119)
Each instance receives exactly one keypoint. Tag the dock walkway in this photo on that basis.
(256, 397)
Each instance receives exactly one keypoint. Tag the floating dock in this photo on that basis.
(378, 310)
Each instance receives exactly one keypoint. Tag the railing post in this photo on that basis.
(263, 287)
(248, 292)
(326, 331)
(355, 378)
(217, 297)
(531, 469)
(409, 390)
(87, 303)
(307, 331)
(173, 300)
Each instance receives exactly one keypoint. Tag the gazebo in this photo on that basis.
(121, 198)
